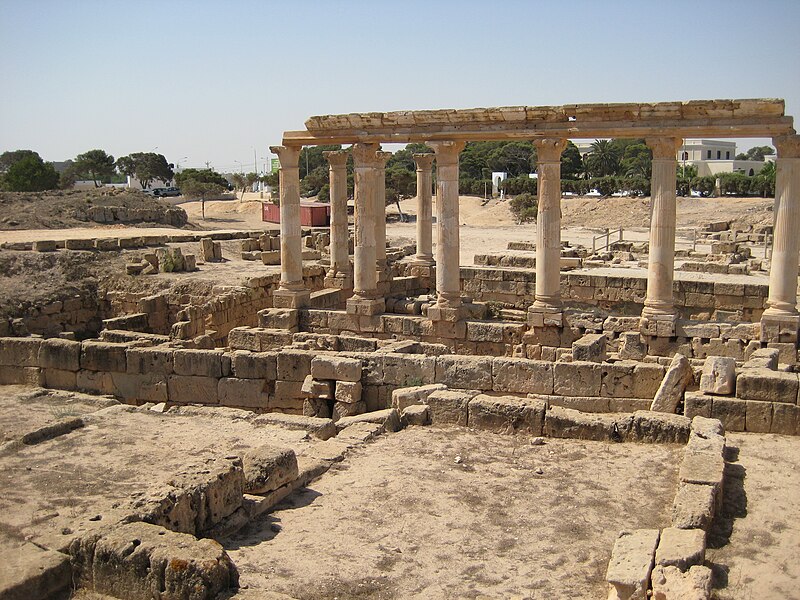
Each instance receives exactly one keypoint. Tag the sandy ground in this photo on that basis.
(755, 541)
(401, 519)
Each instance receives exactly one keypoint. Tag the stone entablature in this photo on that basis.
(691, 119)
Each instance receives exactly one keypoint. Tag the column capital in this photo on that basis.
(382, 158)
(664, 148)
(548, 150)
(289, 156)
(365, 154)
(787, 146)
(424, 160)
(336, 158)
(447, 152)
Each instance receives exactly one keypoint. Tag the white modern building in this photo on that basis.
(715, 156)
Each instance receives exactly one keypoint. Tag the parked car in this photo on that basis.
(170, 191)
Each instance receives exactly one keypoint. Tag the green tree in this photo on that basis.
(29, 174)
(571, 162)
(604, 159)
(95, 164)
(7, 159)
(758, 153)
(524, 208)
(201, 175)
(197, 188)
(146, 167)
(637, 161)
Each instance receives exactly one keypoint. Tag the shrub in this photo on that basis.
(324, 193)
(704, 185)
(524, 207)
(519, 185)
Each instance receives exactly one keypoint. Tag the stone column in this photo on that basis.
(340, 274)
(781, 319)
(448, 276)
(291, 293)
(424, 256)
(380, 221)
(366, 300)
(659, 314)
(546, 310)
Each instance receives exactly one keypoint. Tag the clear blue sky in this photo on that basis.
(212, 81)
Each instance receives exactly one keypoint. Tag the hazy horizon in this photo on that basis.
(202, 82)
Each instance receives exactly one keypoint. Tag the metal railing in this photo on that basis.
(607, 235)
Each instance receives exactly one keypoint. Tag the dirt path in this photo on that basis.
(402, 519)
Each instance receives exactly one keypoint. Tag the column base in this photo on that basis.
(340, 280)
(290, 298)
(422, 261)
(779, 327)
(660, 325)
(541, 314)
(358, 305)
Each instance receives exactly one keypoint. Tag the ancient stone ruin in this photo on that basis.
(234, 404)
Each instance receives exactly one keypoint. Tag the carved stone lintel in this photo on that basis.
(664, 148)
(548, 150)
(289, 156)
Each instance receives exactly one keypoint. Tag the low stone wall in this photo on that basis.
(175, 217)
(697, 300)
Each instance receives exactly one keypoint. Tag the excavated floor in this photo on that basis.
(453, 513)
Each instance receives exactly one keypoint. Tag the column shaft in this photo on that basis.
(424, 254)
(782, 300)
(448, 276)
(548, 226)
(659, 302)
(340, 260)
(365, 253)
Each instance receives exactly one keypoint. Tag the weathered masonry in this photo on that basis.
(663, 125)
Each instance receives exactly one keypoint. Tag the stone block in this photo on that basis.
(242, 393)
(187, 389)
(696, 404)
(255, 365)
(464, 372)
(20, 351)
(706, 468)
(389, 418)
(286, 390)
(450, 407)
(314, 407)
(758, 416)
(647, 378)
(141, 560)
(670, 392)
(267, 468)
(338, 368)
(567, 423)
(632, 346)
(98, 382)
(402, 398)
(577, 379)
(271, 257)
(348, 391)
(617, 380)
(591, 347)
(656, 427)
(767, 385)
(731, 413)
(347, 409)
(200, 363)
(64, 355)
(103, 356)
(631, 561)
(507, 414)
(294, 365)
(158, 361)
(402, 369)
(415, 414)
(785, 419)
(682, 548)
(693, 506)
(719, 376)
(278, 318)
(60, 380)
(318, 427)
(522, 376)
(139, 388)
(670, 583)
(33, 573)
(765, 358)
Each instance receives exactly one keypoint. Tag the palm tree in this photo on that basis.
(604, 158)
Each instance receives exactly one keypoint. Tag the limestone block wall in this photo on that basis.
(79, 315)
(698, 300)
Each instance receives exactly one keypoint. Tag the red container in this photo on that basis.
(312, 214)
